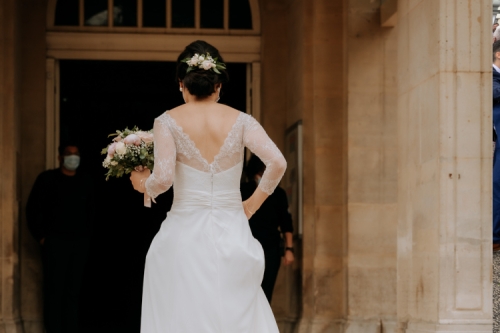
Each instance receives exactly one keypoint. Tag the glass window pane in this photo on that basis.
(96, 12)
(183, 13)
(125, 13)
(240, 15)
(67, 12)
(212, 14)
(154, 13)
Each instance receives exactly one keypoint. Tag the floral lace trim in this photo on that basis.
(268, 186)
(232, 144)
(184, 144)
(162, 177)
(268, 152)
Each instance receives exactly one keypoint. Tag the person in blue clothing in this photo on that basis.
(496, 156)
(496, 188)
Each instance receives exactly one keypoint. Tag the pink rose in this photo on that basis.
(145, 136)
(132, 139)
(112, 149)
(117, 138)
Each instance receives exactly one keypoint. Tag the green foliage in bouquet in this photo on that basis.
(130, 148)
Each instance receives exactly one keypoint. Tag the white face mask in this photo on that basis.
(71, 162)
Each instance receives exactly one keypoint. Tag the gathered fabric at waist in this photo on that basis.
(192, 199)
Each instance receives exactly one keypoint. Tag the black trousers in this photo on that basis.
(63, 266)
(272, 255)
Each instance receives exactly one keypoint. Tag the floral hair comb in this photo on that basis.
(204, 61)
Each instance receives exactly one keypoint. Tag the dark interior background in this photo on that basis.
(97, 98)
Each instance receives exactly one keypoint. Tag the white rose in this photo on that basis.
(201, 58)
(206, 64)
(193, 61)
(120, 148)
(106, 162)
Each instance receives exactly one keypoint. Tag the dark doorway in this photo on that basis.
(97, 98)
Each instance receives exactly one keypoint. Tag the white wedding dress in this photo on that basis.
(204, 268)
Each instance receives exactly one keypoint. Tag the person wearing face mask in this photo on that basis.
(59, 212)
(271, 220)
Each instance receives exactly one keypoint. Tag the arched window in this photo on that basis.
(177, 16)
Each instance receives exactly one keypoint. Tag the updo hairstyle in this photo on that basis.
(198, 81)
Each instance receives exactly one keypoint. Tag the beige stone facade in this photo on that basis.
(394, 97)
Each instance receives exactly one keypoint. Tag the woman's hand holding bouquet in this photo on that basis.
(138, 178)
(131, 150)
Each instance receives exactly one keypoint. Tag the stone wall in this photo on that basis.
(373, 100)
(444, 136)
(318, 94)
(22, 150)
(372, 170)
(9, 172)
(32, 158)
(276, 64)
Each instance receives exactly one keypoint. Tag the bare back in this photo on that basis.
(207, 126)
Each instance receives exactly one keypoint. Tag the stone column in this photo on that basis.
(317, 91)
(32, 160)
(372, 170)
(274, 18)
(444, 122)
(9, 194)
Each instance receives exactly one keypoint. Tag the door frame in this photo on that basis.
(137, 47)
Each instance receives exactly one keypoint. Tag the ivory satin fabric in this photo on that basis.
(204, 268)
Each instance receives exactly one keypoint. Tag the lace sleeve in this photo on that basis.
(257, 140)
(165, 154)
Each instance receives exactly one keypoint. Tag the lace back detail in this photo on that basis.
(229, 154)
(187, 152)
(173, 145)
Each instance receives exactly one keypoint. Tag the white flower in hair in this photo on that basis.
(205, 62)
(194, 60)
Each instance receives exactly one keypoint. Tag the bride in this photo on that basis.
(204, 268)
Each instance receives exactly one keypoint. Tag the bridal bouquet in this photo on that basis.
(130, 149)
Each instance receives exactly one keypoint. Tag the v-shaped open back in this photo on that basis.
(172, 145)
(194, 151)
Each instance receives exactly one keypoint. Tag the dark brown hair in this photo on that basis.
(496, 48)
(198, 81)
